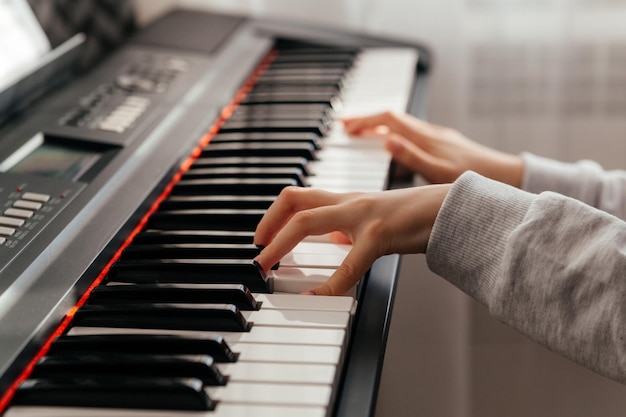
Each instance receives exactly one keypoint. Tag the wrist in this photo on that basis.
(506, 168)
(514, 170)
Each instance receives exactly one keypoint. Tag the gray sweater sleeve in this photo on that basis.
(548, 265)
(585, 181)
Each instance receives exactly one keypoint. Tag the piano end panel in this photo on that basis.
(358, 390)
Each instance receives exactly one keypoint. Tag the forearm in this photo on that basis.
(547, 265)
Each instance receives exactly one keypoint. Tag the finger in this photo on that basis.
(411, 156)
(352, 269)
(290, 201)
(359, 125)
(338, 237)
(404, 152)
(400, 123)
(315, 221)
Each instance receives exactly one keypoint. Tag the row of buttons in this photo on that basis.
(125, 114)
(105, 110)
(21, 211)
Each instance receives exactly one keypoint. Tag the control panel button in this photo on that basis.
(42, 198)
(6, 231)
(2, 240)
(10, 221)
(28, 205)
(22, 214)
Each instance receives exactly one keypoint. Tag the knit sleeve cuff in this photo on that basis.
(469, 237)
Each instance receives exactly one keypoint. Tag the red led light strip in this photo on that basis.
(204, 141)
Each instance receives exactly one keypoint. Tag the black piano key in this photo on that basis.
(286, 98)
(260, 149)
(191, 202)
(338, 73)
(278, 95)
(289, 46)
(293, 77)
(200, 271)
(235, 294)
(213, 345)
(320, 57)
(268, 137)
(143, 393)
(304, 88)
(170, 316)
(298, 108)
(216, 219)
(246, 173)
(312, 82)
(252, 162)
(191, 251)
(250, 126)
(129, 365)
(233, 186)
(279, 112)
(149, 236)
(312, 60)
(311, 65)
(265, 113)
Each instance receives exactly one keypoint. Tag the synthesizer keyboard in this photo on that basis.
(130, 199)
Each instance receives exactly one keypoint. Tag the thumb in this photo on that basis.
(352, 269)
(338, 237)
(412, 156)
(404, 152)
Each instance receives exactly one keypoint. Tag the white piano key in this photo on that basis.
(311, 260)
(315, 255)
(354, 172)
(287, 353)
(354, 156)
(340, 168)
(263, 410)
(300, 336)
(221, 410)
(349, 168)
(338, 137)
(346, 166)
(346, 173)
(325, 238)
(258, 334)
(298, 318)
(346, 185)
(371, 93)
(297, 280)
(270, 393)
(322, 248)
(302, 302)
(279, 373)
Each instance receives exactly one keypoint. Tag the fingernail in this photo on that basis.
(256, 260)
(308, 293)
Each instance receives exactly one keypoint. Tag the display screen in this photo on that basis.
(50, 160)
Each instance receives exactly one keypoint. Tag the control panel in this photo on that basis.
(95, 120)
(27, 204)
(116, 106)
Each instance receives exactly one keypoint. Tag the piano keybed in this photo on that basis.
(184, 322)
